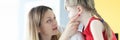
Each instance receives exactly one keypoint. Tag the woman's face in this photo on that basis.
(49, 23)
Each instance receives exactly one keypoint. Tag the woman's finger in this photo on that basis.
(75, 18)
(75, 25)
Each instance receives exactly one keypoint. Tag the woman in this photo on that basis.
(42, 24)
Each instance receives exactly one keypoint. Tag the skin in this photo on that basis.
(97, 25)
(48, 25)
(71, 28)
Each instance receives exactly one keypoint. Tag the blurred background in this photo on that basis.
(13, 15)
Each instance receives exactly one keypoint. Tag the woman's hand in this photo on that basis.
(71, 28)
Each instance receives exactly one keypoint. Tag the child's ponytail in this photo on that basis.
(108, 31)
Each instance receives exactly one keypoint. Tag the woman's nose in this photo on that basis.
(54, 23)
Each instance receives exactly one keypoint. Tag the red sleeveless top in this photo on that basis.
(88, 35)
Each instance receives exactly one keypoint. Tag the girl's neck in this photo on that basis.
(84, 18)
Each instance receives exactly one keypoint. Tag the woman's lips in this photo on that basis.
(55, 28)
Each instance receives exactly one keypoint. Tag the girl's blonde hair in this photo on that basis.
(88, 5)
(35, 16)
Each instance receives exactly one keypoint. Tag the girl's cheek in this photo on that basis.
(72, 14)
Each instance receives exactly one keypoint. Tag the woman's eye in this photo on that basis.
(49, 21)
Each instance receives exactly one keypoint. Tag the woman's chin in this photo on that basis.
(55, 32)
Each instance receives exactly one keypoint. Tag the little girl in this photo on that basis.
(95, 28)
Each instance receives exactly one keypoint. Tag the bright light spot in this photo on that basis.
(8, 19)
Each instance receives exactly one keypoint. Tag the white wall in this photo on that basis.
(13, 16)
(9, 19)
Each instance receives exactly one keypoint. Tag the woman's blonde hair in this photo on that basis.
(88, 5)
(35, 16)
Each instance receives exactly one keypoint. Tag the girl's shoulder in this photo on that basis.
(97, 29)
(95, 23)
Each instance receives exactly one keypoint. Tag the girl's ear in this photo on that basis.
(80, 9)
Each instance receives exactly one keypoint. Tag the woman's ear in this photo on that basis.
(38, 29)
(80, 9)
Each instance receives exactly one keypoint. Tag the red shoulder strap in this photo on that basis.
(91, 19)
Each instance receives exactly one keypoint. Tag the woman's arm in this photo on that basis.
(97, 28)
(71, 28)
(64, 36)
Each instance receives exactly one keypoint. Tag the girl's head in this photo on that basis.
(82, 6)
(42, 21)
(79, 6)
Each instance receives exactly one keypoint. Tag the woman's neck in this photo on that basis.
(46, 37)
(85, 17)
